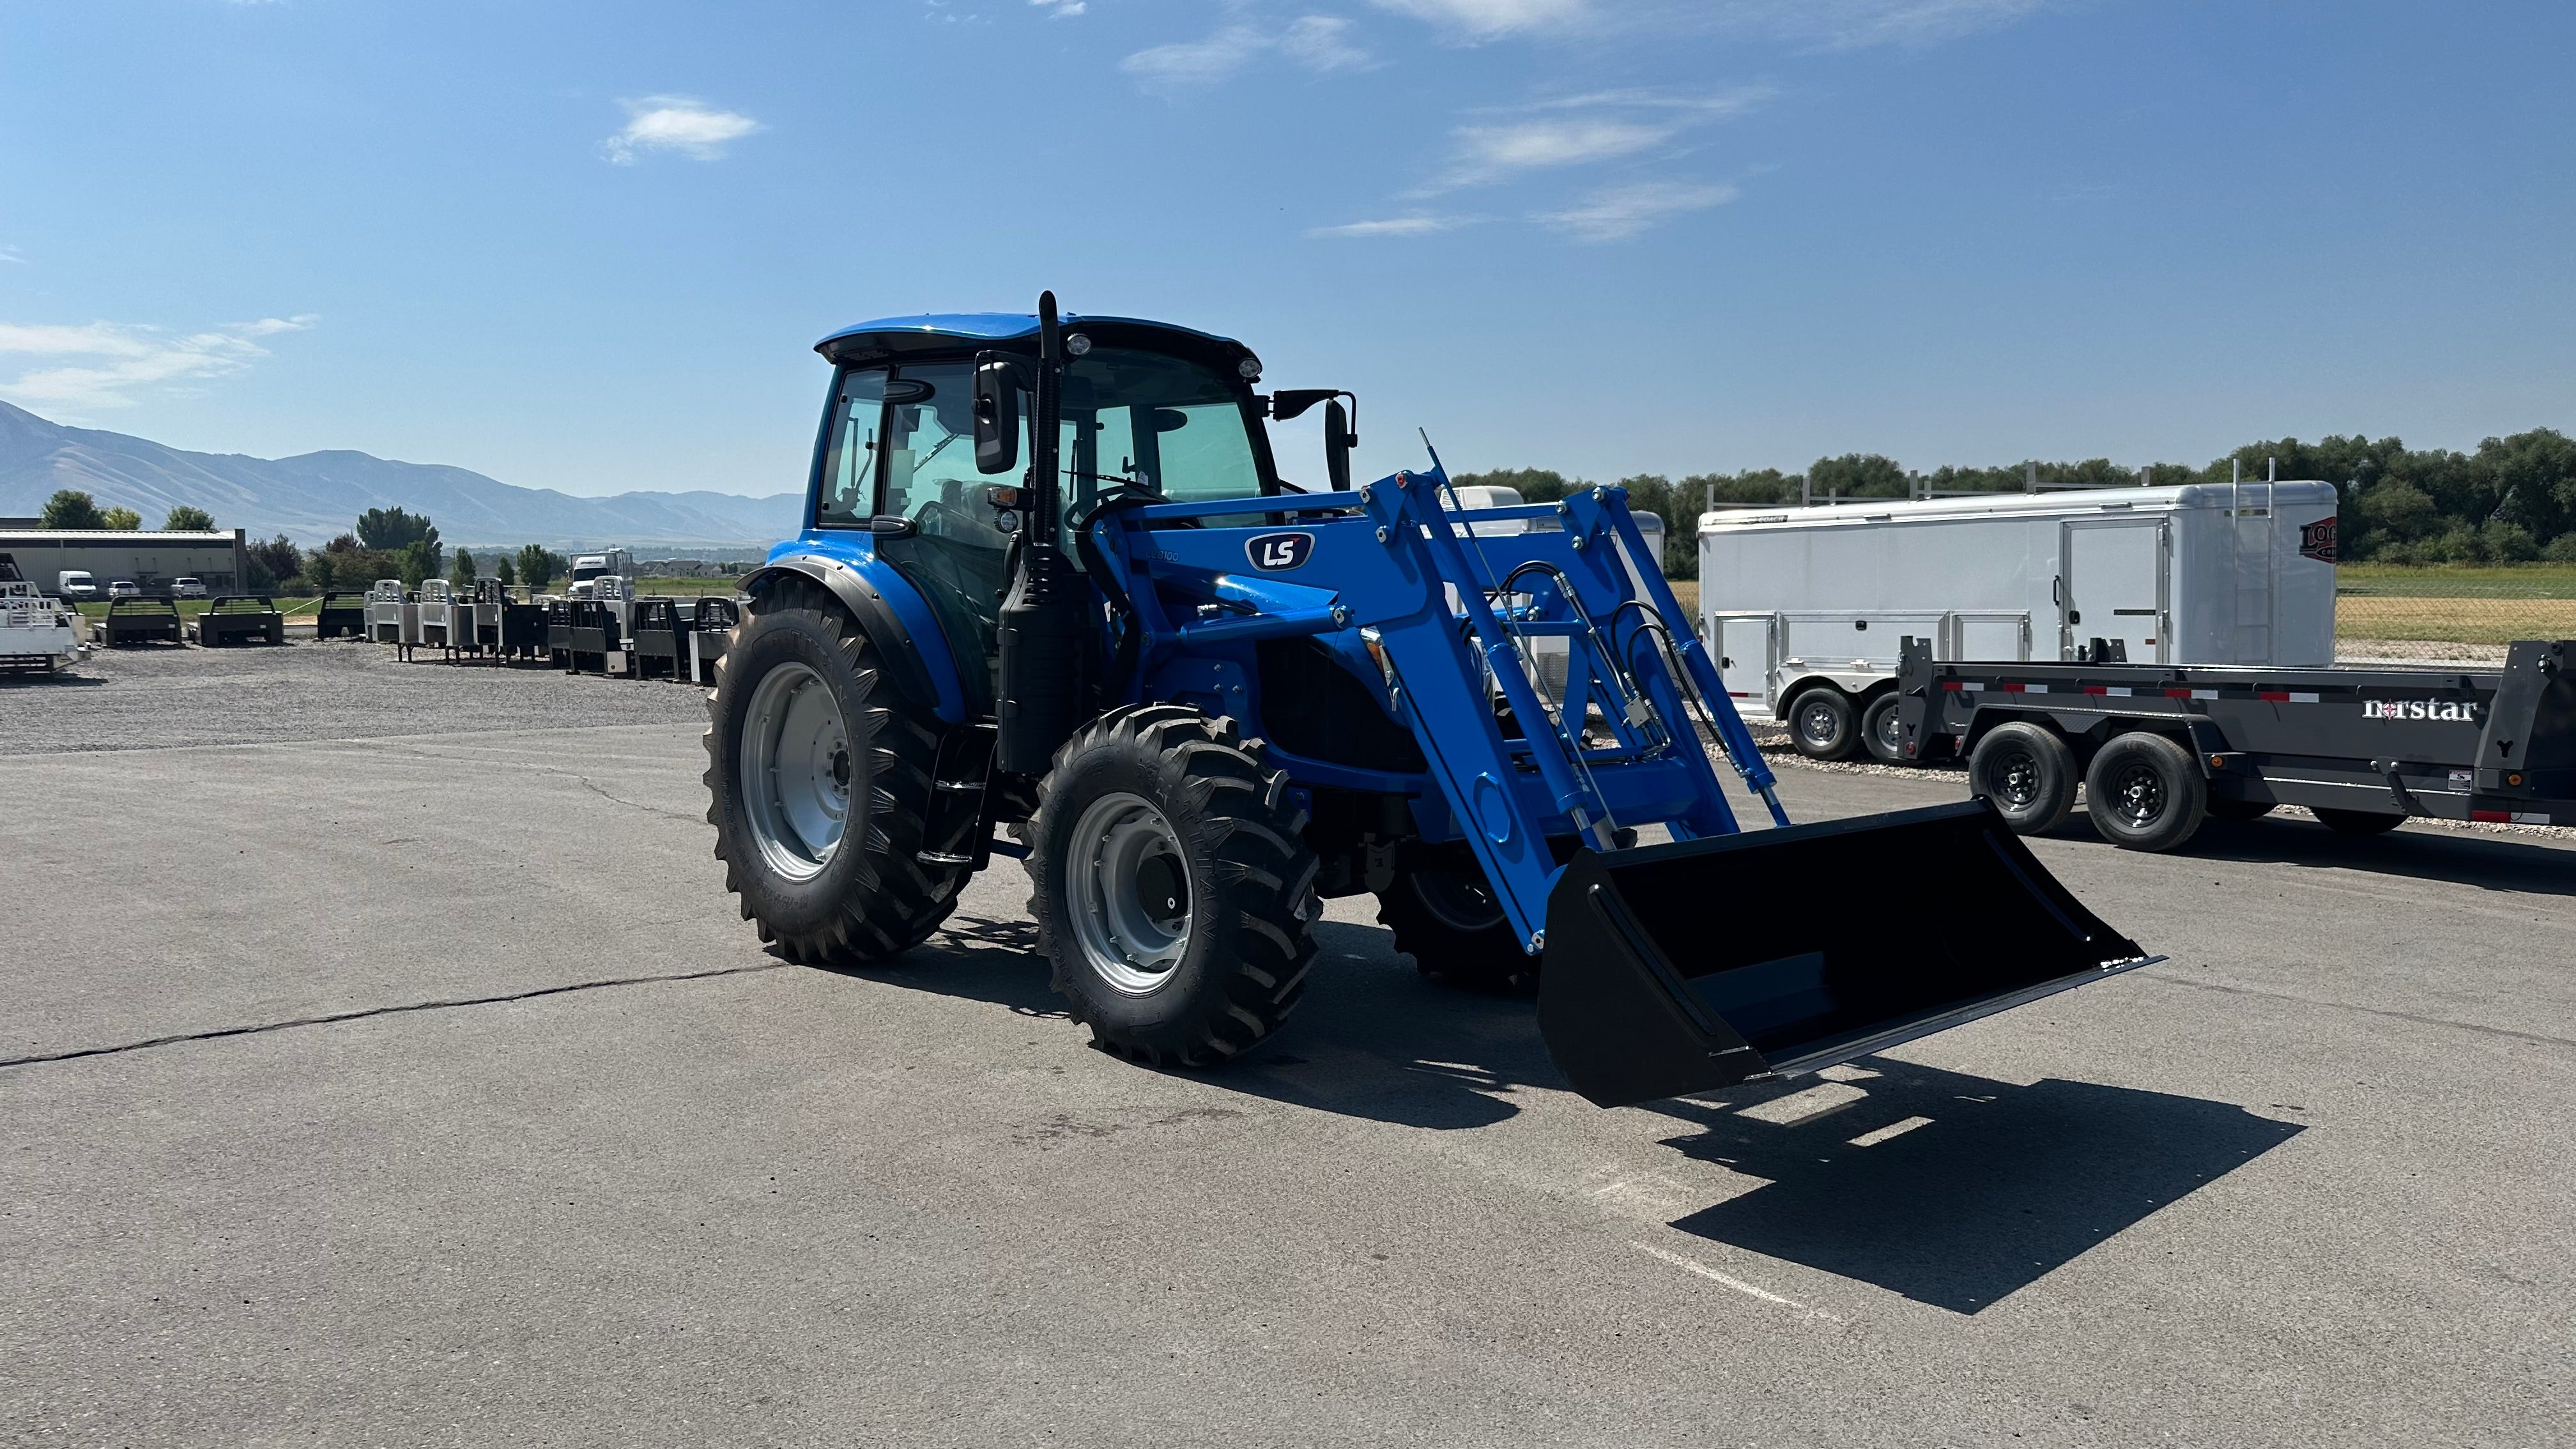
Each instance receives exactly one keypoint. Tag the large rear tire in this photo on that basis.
(818, 772)
(1445, 917)
(1172, 886)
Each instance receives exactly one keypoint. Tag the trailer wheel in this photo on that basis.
(1448, 921)
(2239, 810)
(2358, 822)
(1172, 886)
(1823, 724)
(2029, 774)
(2145, 792)
(1882, 733)
(817, 775)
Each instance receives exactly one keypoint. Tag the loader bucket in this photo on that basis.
(1698, 964)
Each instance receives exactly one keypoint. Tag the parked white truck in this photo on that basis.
(1805, 607)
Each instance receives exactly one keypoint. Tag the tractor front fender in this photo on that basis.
(913, 654)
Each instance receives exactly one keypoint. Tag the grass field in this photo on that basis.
(291, 605)
(2456, 604)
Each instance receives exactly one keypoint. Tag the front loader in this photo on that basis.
(1051, 580)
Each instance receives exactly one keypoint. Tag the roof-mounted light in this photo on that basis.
(1077, 344)
(1249, 368)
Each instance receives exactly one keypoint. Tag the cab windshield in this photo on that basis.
(1163, 424)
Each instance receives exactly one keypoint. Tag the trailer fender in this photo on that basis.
(916, 659)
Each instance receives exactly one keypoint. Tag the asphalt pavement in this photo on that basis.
(376, 1085)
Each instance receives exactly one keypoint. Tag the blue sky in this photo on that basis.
(588, 246)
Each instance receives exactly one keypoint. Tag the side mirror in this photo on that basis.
(1339, 439)
(1290, 402)
(997, 414)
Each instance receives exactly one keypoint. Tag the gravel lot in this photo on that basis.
(158, 697)
(329, 1114)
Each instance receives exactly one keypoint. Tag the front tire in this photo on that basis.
(818, 772)
(1172, 886)
(1445, 917)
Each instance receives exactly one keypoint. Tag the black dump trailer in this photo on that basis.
(660, 639)
(343, 615)
(240, 619)
(2158, 748)
(142, 620)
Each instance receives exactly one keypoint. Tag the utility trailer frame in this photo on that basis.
(341, 614)
(240, 619)
(139, 620)
(659, 642)
(711, 625)
(2452, 744)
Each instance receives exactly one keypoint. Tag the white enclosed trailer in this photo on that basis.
(1806, 607)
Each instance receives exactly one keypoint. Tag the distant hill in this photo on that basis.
(314, 497)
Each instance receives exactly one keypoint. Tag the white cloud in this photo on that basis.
(12, 254)
(1060, 9)
(1317, 42)
(1490, 153)
(119, 359)
(1619, 212)
(1850, 24)
(1395, 226)
(1484, 18)
(676, 123)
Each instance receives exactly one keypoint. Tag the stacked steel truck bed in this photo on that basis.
(2382, 743)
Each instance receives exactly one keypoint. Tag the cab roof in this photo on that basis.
(892, 337)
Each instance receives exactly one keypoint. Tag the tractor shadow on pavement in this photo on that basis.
(1993, 1186)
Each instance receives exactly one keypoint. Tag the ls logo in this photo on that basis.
(1277, 551)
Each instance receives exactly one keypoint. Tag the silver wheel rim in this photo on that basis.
(796, 770)
(1130, 893)
(1818, 723)
(1891, 730)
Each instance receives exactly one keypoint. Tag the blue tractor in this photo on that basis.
(1051, 583)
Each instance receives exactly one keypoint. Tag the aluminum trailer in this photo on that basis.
(2160, 747)
(36, 632)
(240, 619)
(1805, 606)
(391, 615)
(711, 626)
(342, 613)
(436, 620)
(142, 620)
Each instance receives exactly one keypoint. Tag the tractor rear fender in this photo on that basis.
(893, 613)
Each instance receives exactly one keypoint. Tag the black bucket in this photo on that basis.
(1702, 963)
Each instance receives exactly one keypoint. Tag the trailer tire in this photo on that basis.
(1823, 725)
(865, 895)
(2357, 822)
(1448, 921)
(2145, 792)
(2238, 810)
(1882, 732)
(1172, 887)
(2029, 774)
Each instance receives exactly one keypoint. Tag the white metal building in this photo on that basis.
(150, 559)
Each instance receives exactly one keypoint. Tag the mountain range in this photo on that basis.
(314, 497)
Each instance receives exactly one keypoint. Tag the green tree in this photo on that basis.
(71, 508)
(537, 566)
(274, 563)
(415, 561)
(188, 518)
(1534, 485)
(121, 518)
(460, 570)
(392, 529)
(1856, 475)
(503, 571)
